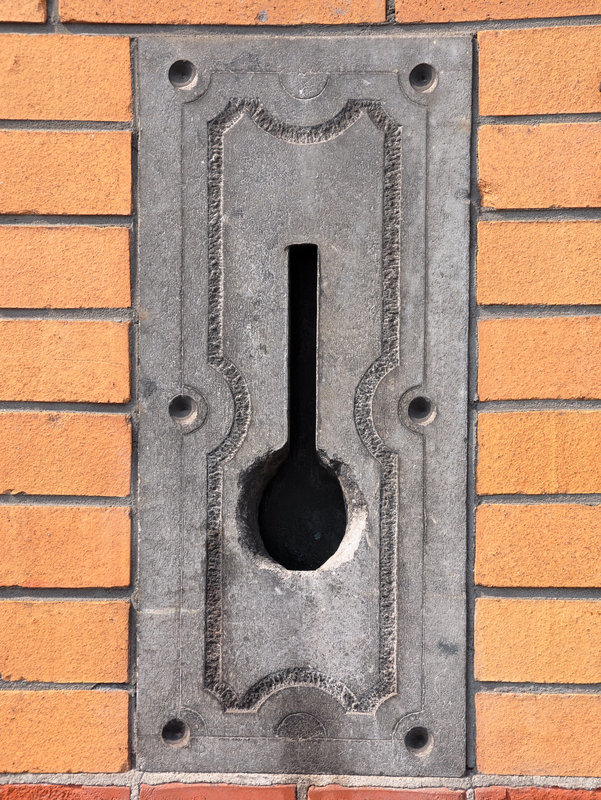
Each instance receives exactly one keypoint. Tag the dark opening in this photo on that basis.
(175, 731)
(420, 409)
(182, 73)
(417, 738)
(181, 406)
(422, 77)
(302, 514)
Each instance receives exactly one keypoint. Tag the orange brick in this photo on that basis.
(464, 10)
(64, 453)
(540, 641)
(64, 267)
(535, 793)
(60, 361)
(512, 63)
(216, 791)
(539, 452)
(216, 12)
(64, 546)
(59, 641)
(65, 77)
(65, 172)
(555, 357)
(538, 734)
(335, 792)
(539, 263)
(45, 791)
(538, 545)
(23, 11)
(540, 166)
(64, 731)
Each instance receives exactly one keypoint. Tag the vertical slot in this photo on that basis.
(302, 514)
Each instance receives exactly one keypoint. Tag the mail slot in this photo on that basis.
(304, 262)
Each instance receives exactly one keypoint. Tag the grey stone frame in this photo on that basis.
(300, 718)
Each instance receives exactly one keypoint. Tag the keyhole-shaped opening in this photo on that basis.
(302, 513)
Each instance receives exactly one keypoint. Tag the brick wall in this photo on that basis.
(67, 400)
(65, 201)
(538, 441)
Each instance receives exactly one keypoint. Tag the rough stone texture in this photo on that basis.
(538, 734)
(267, 660)
(64, 267)
(62, 361)
(539, 263)
(524, 640)
(538, 545)
(539, 452)
(216, 791)
(334, 792)
(64, 731)
(64, 546)
(546, 357)
(217, 12)
(540, 71)
(59, 641)
(23, 11)
(540, 166)
(463, 10)
(65, 453)
(45, 791)
(535, 793)
(65, 172)
(65, 77)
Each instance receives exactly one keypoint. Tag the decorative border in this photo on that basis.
(386, 685)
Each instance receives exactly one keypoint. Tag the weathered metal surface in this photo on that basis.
(282, 140)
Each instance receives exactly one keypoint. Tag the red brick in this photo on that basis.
(535, 793)
(335, 792)
(216, 791)
(45, 791)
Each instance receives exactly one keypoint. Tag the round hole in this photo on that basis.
(182, 407)
(182, 73)
(417, 739)
(422, 77)
(421, 410)
(175, 732)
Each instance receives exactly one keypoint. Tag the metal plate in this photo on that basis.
(278, 140)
